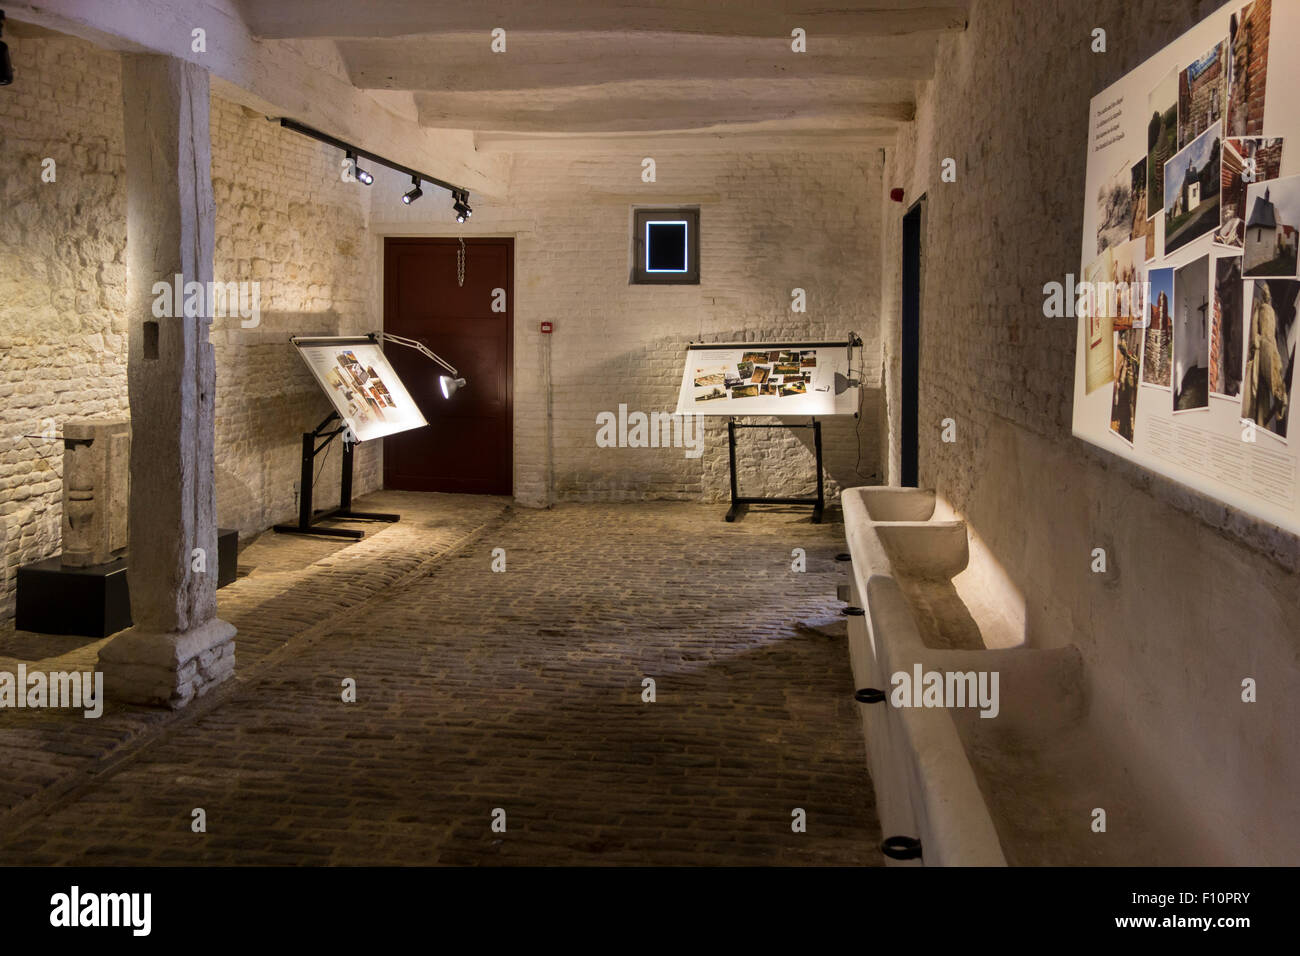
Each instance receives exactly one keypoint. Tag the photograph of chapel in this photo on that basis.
(1192, 190)
(1270, 237)
(647, 435)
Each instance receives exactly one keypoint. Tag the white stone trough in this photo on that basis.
(1018, 787)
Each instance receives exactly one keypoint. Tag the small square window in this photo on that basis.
(666, 246)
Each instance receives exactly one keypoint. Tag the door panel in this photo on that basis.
(911, 346)
(468, 444)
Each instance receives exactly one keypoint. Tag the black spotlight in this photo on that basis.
(415, 193)
(359, 174)
(6, 65)
(461, 205)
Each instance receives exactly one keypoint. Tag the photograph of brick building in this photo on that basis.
(1228, 333)
(1248, 36)
(1201, 95)
(1158, 334)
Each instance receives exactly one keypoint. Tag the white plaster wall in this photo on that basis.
(1198, 596)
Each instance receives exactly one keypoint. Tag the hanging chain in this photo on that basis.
(460, 264)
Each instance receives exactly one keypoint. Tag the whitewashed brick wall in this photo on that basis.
(62, 279)
(284, 218)
(1198, 596)
(287, 220)
(769, 222)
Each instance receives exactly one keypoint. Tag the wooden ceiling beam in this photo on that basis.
(464, 62)
(650, 107)
(282, 19)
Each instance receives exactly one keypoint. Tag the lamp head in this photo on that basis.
(450, 385)
(843, 383)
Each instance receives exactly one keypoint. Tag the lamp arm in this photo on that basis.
(418, 346)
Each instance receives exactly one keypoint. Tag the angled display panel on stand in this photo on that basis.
(365, 391)
(755, 378)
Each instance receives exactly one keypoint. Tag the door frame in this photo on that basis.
(382, 292)
(909, 344)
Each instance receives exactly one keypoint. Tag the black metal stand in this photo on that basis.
(306, 518)
(739, 504)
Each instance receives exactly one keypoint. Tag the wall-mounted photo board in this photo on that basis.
(1188, 288)
(754, 378)
(361, 385)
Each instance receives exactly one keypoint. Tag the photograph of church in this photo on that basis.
(1270, 236)
(1192, 190)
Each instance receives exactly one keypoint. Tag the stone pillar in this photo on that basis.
(177, 648)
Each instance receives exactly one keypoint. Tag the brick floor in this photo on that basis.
(478, 690)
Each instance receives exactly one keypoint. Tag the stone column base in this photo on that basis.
(168, 670)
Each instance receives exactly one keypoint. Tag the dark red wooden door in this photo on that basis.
(467, 445)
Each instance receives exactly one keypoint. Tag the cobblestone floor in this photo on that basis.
(479, 690)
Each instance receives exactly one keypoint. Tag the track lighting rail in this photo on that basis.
(460, 194)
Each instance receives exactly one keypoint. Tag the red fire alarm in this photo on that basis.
(896, 194)
(547, 328)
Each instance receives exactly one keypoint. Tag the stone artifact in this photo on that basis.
(96, 475)
(1266, 385)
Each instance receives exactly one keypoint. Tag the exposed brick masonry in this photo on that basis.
(284, 219)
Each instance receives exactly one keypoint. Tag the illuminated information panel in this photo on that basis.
(362, 386)
(1188, 284)
(753, 378)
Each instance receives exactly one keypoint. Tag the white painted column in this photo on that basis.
(177, 648)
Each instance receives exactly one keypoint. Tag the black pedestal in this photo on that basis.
(227, 555)
(94, 601)
(91, 602)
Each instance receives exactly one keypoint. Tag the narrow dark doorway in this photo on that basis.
(911, 345)
(468, 444)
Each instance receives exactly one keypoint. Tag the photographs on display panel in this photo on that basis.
(361, 384)
(1205, 130)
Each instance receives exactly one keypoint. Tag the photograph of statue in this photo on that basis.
(1270, 355)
